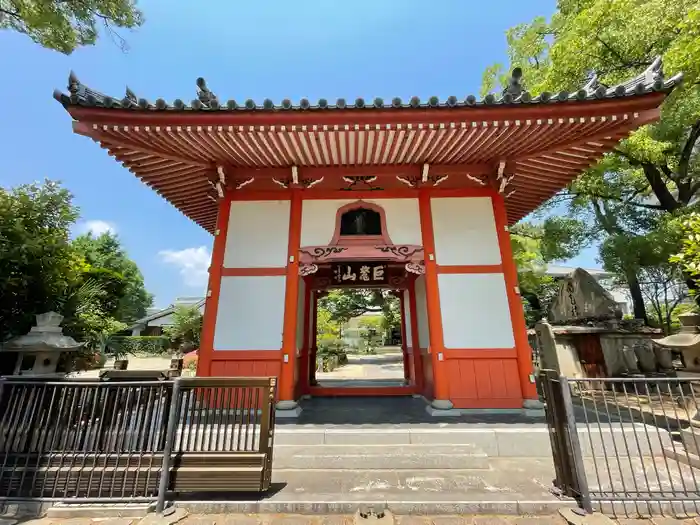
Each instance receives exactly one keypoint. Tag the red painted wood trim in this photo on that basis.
(245, 355)
(253, 272)
(415, 338)
(363, 391)
(517, 315)
(370, 116)
(481, 353)
(480, 268)
(206, 346)
(440, 378)
(395, 193)
(291, 302)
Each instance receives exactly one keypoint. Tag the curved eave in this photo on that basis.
(546, 146)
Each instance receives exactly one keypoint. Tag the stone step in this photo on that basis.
(509, 488)
(506, 441)
(379, 457)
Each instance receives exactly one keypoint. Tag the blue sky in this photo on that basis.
(266, 49)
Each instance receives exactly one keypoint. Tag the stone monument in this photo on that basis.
(39, 351)
(581, 297)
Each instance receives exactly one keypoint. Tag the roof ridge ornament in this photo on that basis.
(515, 85)
(73, 83)
(204, 94)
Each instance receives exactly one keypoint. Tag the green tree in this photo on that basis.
(64, 25)
(186, 328)
(111, 265)
(38, 264)
(656, 170)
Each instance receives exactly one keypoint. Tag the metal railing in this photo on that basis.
(88, 440)
(626, 446)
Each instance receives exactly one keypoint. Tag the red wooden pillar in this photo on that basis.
(415, 338)
(291, 307)
(303, 371)
(404, 343)
(314, 335)
(517, 315)
(211, 308)
(441, 387)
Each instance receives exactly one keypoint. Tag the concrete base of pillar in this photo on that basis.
(287, 409)
(441, 408)
(533, 407)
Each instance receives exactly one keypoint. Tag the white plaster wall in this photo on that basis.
(402, 220)
(465, 231)
(475, 311)
(407, 319)
(258, 234)
(250, 314)
(422, 313)
(300, 315)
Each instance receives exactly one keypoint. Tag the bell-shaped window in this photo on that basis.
(360, 221)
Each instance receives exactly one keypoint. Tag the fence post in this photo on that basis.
(575, 446)
(168, 447)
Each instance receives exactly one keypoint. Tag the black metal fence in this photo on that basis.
(626, 446)
(89, 440)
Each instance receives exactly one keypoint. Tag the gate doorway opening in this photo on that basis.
(358, 340)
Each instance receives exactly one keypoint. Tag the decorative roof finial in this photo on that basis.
(654, 72)
(131, 95)
(203, 93)
(515, 86)
(73, 83)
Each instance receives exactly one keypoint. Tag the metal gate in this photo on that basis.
(90, 440)
(625, 446)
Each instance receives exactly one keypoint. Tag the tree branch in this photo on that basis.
(684, 161)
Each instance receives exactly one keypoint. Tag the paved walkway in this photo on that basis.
(289, 519)
(366, 370)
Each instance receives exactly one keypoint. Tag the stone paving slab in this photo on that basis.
(290, 519)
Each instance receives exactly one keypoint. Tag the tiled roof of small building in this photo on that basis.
(650, 80)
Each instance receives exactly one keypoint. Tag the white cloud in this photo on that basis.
(97, 227)
(192, 262)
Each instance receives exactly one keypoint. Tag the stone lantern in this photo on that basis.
(687, 341)
(40, 351)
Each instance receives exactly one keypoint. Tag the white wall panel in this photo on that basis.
(475, 312)
(422, 313)
(318, 220)
(250, 314)
(465, 231)
(258, 234)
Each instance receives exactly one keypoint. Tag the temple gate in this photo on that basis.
(427, 188)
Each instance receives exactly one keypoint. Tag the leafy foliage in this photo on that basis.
(37, 262)
(127, 299)
(42, 270)
(689, 255)
(64, 25)
(146, 344)
(622, 201)
(186, 328)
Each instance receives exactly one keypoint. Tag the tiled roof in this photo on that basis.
(651, 80)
